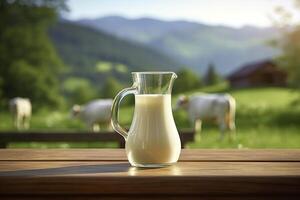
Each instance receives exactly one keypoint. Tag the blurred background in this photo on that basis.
(61, 53)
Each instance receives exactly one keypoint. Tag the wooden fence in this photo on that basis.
(39, 136)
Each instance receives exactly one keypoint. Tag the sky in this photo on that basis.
(235, 13)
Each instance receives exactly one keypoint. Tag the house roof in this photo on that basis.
(249, 68)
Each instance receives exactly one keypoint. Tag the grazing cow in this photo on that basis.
(219, 107)
(94, 113)
(21, 111)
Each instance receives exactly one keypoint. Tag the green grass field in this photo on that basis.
(265, 118)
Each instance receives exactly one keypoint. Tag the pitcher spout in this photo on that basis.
(174, 76)
(154, 82)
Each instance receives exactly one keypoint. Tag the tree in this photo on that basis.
(187, 80)
(212, 77)
(111, 88)
(289, 59)
(289, 44)
(29, 65)
(78, 90)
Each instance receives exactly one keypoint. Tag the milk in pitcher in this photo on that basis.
(153, 137)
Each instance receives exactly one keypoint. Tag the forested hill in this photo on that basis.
(83, 48)
(192, 43)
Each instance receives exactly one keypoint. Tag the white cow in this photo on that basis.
(219, 107)
(94, 113)
(21, 111)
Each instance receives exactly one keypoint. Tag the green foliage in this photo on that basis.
(1, 92)
(187, 80)
(29, 63)
(82, 48)
(257, 137)
(78, 90)
(289, 59)
(289, 43)
(212, 77)
(121, 68)
(111, 87)
(104, 67)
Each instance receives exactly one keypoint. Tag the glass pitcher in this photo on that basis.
(153, 139)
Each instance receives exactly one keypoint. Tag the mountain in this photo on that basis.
(143, 30)
(88, 51)
(193, 44)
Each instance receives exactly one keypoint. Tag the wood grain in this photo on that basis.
(280, 155)
(98, 173)
(123, 169)
(206, 185)
(148, 197)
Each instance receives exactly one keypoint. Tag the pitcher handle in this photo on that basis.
(115, 110)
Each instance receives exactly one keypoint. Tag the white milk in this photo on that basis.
(153, 138)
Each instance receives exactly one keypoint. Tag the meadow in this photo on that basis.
(265, 118)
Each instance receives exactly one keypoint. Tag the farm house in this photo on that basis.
(263, 73)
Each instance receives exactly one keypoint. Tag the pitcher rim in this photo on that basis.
(154, 72)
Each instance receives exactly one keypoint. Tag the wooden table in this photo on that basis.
(90, 174)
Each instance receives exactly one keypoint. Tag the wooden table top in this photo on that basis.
(105, 172)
